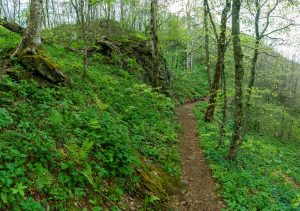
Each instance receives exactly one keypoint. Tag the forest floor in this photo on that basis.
(200, 192)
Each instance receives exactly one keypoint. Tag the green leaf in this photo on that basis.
(4, 197)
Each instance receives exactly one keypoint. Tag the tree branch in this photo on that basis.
(211, 19)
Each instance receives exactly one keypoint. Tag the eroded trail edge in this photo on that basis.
(200, 192)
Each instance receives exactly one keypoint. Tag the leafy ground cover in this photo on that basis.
(266, 175)
(189, 85)
(86, 145)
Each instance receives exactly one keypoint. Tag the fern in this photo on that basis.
(77, 153)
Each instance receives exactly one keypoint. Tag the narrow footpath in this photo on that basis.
(200, 191)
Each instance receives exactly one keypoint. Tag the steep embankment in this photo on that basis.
(104, 141)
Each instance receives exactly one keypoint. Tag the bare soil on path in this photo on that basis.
(200, 192)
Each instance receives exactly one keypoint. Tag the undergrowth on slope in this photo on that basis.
(266, 175)
(87, 145)
(189, 85)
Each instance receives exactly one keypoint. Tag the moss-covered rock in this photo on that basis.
(39, 65)
(134, 54)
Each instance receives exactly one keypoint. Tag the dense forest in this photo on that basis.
(149, 105)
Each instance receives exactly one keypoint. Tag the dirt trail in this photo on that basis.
(200, 191)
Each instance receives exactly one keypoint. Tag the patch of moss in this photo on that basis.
(158, 184)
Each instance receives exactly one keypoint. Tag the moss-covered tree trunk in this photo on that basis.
(155, 56)
(239, 74)
(206, 43)
(31, 40)
(219, 65)
(250, 88)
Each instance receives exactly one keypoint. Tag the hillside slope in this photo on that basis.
(103, 142)
(266, 174)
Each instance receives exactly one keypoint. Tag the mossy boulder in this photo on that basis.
(134, 54)
(39, 66)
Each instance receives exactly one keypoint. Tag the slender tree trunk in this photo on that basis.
(44, 17)
(253, 70)
(53, 13)
(239, 74)
(189, 53)
(155, 75)
(3, 9)
(224, 108)
(14, 10)
(250, 88)
(122, 11)
(47, 13)
(206, 43)
(31, 40)
(19, 13)
(84, 19)
(58, 12)
(219, 65)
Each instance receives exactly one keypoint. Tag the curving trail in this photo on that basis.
(200, 191)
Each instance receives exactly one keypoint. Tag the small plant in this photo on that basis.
(5, 119)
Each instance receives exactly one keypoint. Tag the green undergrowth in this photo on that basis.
(189, 85)
(87, 145)
(7, 41)
(266, 175)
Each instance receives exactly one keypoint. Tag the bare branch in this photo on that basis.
(211, 19)
(277, 30)
(268, 19)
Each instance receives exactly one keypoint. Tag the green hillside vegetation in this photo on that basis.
(91, 143)
(265, 175)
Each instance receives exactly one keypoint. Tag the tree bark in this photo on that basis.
(31, 40)
(239, 73)
(206, 43)
(219, 65)
(155, 79)
(224, 108)
(189, 52)
(250, 88)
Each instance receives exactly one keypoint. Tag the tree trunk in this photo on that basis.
(122, 11)
(27, 51)
(189, 53)
(253, 69)
(155, 75)
(239, 73)
(206, 43)
(224, 108)
(219, 65)
(47, 13)
(250, 88)
(32, 37)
